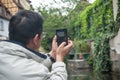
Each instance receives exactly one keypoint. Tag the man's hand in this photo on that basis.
(54, 47)
(63, 50)
(59, 52)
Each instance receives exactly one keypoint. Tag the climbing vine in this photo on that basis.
(96, 18)
(118, 14)
(117, 23)
(101, 54)
(96, 23)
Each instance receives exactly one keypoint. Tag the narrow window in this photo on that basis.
(1, 26)
(0, 10)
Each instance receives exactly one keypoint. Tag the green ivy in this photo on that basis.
(96, 22)
(96, 18)
(118, 14)
(117, 23)
(101, 54)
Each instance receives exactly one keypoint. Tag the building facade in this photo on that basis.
(7, 9)
(16, 5)
(4, 21)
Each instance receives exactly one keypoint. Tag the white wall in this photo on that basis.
(4, 27)
(91, 1)
(115, 41)
(115, 8)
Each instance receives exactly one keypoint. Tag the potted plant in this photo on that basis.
(82, 48)
(85, 49)
(77, 49)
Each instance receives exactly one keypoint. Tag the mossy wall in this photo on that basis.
(96, 22)
(95, 19)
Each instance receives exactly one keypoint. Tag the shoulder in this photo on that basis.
(23, 69)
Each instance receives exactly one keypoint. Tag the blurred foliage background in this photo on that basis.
(56, 18)
(85, 22)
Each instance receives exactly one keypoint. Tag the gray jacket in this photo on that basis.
(20, 63)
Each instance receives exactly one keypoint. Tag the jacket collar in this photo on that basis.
(23, 49)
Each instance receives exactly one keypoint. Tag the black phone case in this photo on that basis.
(62, 36)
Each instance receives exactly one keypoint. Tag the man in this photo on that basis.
(19, 59)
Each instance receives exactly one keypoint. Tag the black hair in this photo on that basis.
(25, 25)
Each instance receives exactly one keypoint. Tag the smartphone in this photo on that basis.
(62, 36)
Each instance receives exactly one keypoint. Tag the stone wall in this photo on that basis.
(78, 67)
(115, 44)
(115, 52)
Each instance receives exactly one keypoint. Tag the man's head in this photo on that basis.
(26, 27)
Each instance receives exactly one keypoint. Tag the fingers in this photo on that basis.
(55, 38)
(62, 44)
(54, 44)
(66, 47)
(70, 45)
(68, 38)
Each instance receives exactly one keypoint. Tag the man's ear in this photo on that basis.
(37, 39)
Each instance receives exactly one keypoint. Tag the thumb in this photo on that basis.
(62, 44)
(70, 45)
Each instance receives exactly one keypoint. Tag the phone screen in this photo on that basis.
(62, 36)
